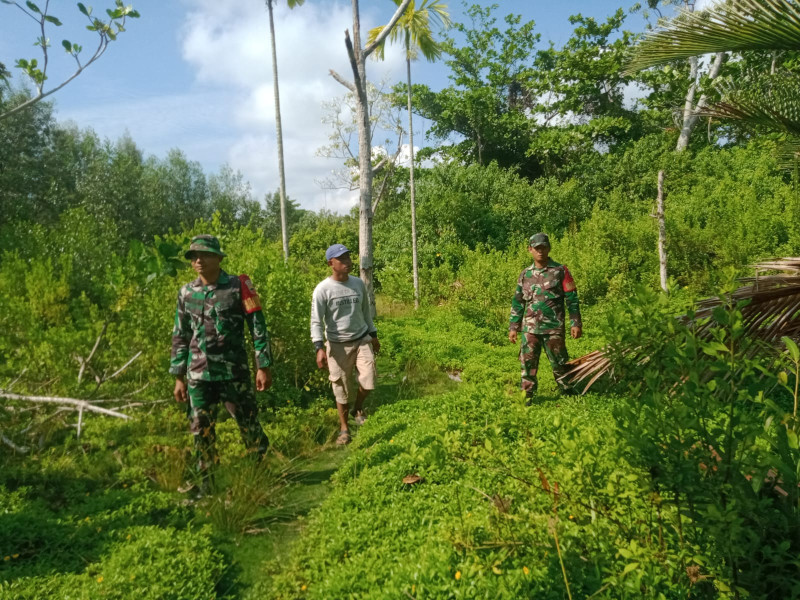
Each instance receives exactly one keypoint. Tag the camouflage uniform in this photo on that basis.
(208, 347)
(537, 310)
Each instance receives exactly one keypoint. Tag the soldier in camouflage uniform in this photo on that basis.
(208, 347)
(537, 310)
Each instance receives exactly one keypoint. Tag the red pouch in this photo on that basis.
(250, 300)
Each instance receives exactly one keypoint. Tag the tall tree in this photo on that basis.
(366, 170)
(414, 30)
(485, 107)
(107, 32)
(278, 128)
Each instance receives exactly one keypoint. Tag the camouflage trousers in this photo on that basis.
(556, 350)
(239, 400)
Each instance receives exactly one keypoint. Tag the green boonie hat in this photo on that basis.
(539, 239)
(204, 243)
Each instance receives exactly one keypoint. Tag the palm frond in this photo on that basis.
(733, 25)
(414, 28)
(788, 154)
(771, 101)
(772, 311)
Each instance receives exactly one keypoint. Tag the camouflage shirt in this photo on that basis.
(208, 337)
(538, 304)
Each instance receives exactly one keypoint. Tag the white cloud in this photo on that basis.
(228, 46)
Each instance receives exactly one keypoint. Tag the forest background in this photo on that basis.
(526, 137)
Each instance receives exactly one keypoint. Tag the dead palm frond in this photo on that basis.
(733, 25)
(772, 311)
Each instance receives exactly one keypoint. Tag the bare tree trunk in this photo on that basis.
(662, 232)
(358, 56)
(414, 263)
(364, 162)
(279, 133)
(690, 110)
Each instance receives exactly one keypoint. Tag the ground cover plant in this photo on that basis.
(470, 494)
(678, 478)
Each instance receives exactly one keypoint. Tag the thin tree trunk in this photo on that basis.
(279, 133)
(414, 263)
(688, 107)
(358, 56)
(662, 232)
(690, 110)
(364, 163)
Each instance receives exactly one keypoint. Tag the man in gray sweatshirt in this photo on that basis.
(341, 311)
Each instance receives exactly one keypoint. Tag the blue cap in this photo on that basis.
(335, 251)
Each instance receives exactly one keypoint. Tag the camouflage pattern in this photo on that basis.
(539, 239)
(208, 342)
(556, 350)
(204, 243)
(538, 304)
(239, 400)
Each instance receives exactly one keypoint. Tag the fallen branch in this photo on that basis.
(85, 362)
(78, 404)
(11, 385)
(13, 446)
(123, 367)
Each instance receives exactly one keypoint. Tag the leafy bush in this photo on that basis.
(142, 562)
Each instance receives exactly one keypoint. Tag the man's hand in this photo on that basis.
(322, 359)
(263, 379)
(512, 336)
(180, 390)
(376, 345)
(575, 332)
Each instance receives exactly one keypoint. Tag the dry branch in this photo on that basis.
(13, 446)
(77, 404)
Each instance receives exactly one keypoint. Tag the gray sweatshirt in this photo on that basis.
(342, 309)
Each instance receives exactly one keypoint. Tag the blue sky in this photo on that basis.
(196, 75)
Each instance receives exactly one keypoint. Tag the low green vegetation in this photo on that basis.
(470, 494)
(677, 477)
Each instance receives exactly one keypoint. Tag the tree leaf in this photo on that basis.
(791, 346)
(67, 45)
(33, 7)
(83, 9)
(630, 567)
(53, 20)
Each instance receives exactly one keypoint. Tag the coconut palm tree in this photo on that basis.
(414, 31)
(278, 129)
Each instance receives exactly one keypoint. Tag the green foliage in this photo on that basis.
(718, 447)
(632, 487)
(480, 105)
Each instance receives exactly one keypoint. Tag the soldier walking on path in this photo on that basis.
(340, 306)
(208, 349)
(537, 310)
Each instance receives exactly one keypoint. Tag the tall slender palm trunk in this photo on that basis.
(279, 134)
(414, 263)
